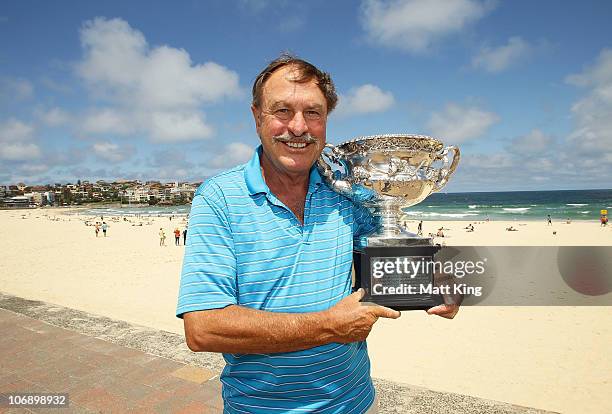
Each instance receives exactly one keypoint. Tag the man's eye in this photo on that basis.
(283, 114)
(312, 115)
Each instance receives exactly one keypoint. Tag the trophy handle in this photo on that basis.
(446, 173)
(334, 154)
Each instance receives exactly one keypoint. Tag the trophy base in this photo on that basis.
(397, 276)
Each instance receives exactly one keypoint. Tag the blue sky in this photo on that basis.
(161, 90)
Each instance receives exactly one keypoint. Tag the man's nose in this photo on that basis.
(297, 125)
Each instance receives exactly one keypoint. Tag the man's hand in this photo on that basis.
(351, 321)
(445, 311)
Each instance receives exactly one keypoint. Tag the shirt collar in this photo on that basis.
(255, 181)
(252, 175)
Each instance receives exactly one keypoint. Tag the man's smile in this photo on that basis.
(296, 145)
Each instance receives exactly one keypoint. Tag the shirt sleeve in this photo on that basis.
(208, 276)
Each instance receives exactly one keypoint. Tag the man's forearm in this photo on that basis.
(237, 329)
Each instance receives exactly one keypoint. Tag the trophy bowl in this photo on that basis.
(387, 173)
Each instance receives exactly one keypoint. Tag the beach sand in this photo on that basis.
(555, 358)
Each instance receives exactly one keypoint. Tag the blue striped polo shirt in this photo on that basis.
(245, 247)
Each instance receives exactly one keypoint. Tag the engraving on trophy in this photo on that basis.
(387, 173)
(398, 275)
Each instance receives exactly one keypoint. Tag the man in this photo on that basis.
(267, 274)
(177, 236)
(162, 237)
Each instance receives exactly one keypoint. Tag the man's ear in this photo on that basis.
(257, 116)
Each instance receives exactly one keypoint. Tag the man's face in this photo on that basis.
(291, 122)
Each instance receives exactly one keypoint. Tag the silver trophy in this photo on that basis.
(387, 173)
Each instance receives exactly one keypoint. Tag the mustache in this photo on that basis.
(306, 138)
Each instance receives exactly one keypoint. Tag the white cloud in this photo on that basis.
(457, 123)
(151, 89)
(365, 99)
(55, 117)
(19, 151)
(415, 25)
(171, 164)
(13, 130)
(597, 74)
(15, 88)
(496, 59)
(480, 162)
(591, 139)
(14, 145)
(30, 169)
(233, 154)
(108, 121)
(179, 126)
(111, 152)
(535, 142)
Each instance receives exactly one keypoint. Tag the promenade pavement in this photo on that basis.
(98, 375)
(110, 366)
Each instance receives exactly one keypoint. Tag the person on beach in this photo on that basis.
(266, 278)
(185, 237)
(97, 227)
(104, 228)
(549, 220)
(162, 237)
(177, 237)
(420, 228)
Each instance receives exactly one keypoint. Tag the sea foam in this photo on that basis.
(517, 209)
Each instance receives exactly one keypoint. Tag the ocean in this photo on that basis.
(514, 205)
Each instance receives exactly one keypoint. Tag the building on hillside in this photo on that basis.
(34, 198)
(50, 197)
(17, 202)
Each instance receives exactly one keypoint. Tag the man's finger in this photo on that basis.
(436, 310)
(443, 310)
(358, 294)
(384, 312)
